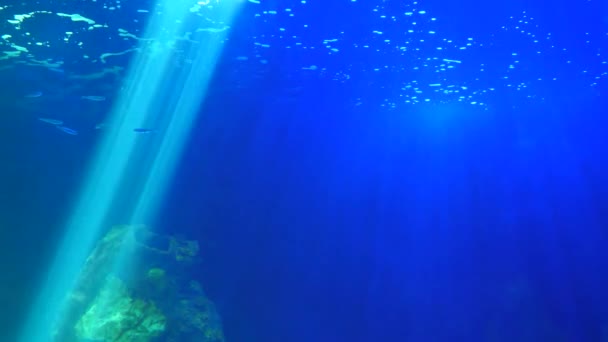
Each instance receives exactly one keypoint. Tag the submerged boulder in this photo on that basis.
(136, 286)
(116, 316)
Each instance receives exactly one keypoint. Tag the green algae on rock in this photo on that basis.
(116, 316)
(135, 286)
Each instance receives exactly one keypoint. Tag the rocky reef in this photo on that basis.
(135, 287)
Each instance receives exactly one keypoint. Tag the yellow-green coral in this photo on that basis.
(156, 273)
(157, 278)
(214, 334)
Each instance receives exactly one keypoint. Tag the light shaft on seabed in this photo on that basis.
(158, 92)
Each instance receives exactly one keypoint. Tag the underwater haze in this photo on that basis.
(355, 170)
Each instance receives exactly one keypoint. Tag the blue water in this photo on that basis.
(360, 170)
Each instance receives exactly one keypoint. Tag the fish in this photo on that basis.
(33, 95)
(51, 121)
(144, 130)
(93, 98)
(100, 125)
(67, 130)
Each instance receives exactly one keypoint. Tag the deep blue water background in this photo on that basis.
(322, 221)
(325, 224)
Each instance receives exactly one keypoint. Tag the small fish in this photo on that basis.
(93, 98)
(33, 95)
(144, 130)
(67, 130)
(51, 121)
(100, 125)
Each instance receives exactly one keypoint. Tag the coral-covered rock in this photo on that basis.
(116, 316)
(135, 286)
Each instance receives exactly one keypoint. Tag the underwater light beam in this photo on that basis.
(158, 93)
